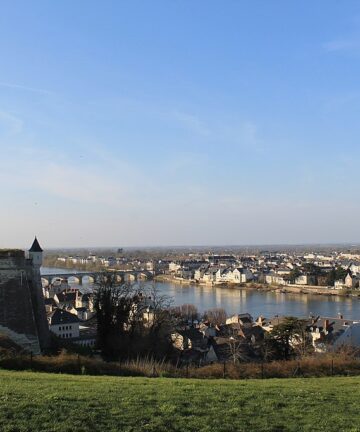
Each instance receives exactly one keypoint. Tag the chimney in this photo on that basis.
(326, 324)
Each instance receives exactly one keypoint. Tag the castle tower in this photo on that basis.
(36, 254)
(17, 315)
(38, 304)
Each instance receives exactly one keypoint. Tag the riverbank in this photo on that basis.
(294, 289)
(256, 299)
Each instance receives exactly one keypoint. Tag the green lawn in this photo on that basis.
(49, 402)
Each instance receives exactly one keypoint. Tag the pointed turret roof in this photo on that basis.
(35, 246)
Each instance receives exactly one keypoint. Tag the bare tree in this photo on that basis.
(134, 319)
(237, 350)
(157, 308)
(216, 316)
(113, 306)
(186, 313)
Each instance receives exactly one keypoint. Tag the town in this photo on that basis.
(179, 234)
(336, 270)
(186, 335)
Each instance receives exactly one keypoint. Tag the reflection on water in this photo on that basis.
(262, 303)
(255, 302)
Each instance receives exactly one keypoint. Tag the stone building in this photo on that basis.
(22, 306)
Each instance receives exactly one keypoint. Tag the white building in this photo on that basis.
(64, 324)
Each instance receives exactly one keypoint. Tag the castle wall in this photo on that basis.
(21, 315)
(38, 305)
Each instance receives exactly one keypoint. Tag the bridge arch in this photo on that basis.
(129, 277)
(88, 278)
(74, 279)
(142, 276)
(45, 280)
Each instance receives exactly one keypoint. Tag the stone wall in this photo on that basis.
(22, 310)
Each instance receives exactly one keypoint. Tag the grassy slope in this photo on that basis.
(49, 402)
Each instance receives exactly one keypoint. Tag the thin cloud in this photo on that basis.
(77, 183)
(26, 88)
(192, 123)
(244, 135)
(342, 45)
(12, 125)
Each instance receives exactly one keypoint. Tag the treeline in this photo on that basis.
(52, 261)
(321, 277)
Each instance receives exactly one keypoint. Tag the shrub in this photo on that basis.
(314, 366)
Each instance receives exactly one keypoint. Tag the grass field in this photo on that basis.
(49, 402)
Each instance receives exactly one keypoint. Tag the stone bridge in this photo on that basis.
(90, 276)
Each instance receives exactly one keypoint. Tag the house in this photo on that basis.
(268, 323)
(219, 351)
(149, 266)
(211, 275)
(87, 333)
(350, 337)
(339, 284)
(351, 281)
(252, 333)
(51, 303)
(305, 279)
(190, 338)
(274, 279)
(207, 329)
(148, 316)
(63, 324)
(82, 313)
(229, 348)
(184, 273)
(87, 301)
(70, 298)
(248, 274)
(355, 268)
(283, 271)
(200, 271)
(222, 259)
(329, 334)
(174, 266)
(243, 319)
(57, 287)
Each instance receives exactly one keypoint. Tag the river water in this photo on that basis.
(254, 302)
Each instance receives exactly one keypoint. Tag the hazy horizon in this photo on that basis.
(169, 123)
(194, 247)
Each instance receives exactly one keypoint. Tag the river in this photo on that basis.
(254, 302)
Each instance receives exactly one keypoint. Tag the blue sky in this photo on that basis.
(179, 122)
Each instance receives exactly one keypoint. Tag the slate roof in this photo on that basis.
(50, 302)
(192, 334)
(61, 316)
(67, 297)
(35, 246)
